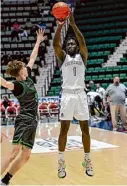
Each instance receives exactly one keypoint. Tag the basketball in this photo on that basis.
(60, 10)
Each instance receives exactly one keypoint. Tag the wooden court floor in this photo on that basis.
(110, 164)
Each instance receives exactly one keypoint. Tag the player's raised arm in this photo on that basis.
(40, 38)
(57, 43)
(6, 84)
(80, 38)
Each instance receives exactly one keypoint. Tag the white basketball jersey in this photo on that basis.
(73, 72)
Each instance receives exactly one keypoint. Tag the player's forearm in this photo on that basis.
(6, 84)
(3, 82)
(79, 35)
(34, 53)
(57, 37)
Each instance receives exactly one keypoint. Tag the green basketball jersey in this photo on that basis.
(28, 99)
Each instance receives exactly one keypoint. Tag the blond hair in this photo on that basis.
(14, 67)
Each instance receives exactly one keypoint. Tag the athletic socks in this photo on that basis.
(88, 165)
(61, 156)
(61, 165)
(87, 156)
(6, 178)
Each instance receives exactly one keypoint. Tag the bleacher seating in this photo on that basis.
(20, 11)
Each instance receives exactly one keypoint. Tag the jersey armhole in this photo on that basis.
(85, 62)
(18, 88)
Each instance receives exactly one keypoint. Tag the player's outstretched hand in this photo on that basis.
(40, 35)
(71, 18)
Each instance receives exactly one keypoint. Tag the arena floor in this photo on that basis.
(108, 152)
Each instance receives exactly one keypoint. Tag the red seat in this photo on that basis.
(54, 108)
(11, 111)
(43, 109)
(2, 109)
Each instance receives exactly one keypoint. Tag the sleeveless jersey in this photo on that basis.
(73, 72)
(28, 99)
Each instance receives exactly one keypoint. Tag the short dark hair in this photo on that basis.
(14, 67)
(73, 38)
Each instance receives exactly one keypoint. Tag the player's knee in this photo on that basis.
(26, 157)
(14, 153)
(26, 154)
(64, 127)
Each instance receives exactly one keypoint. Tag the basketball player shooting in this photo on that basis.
(26, 122)
(72, 62)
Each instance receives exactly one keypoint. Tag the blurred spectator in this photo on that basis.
(8, 25)
(28, 25)
(16, 26)
(117, 93)
(95, 102)
(90, 86)
(15, 31)
(6, 102)
(100, 90)
(22, 33)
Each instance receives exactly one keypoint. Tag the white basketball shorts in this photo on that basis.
(74, 105)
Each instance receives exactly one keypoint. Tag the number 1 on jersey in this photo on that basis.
(74, 71)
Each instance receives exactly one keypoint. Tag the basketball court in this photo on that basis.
(108, 152)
